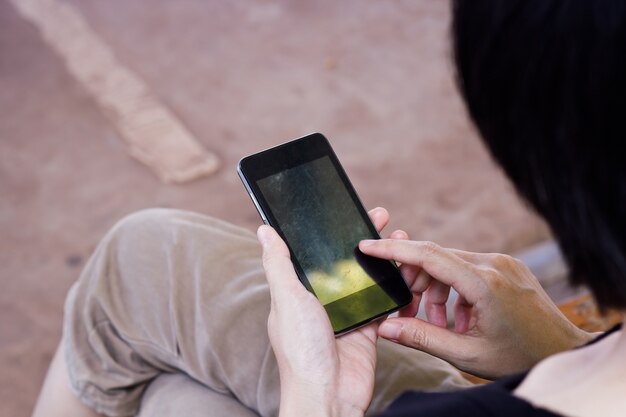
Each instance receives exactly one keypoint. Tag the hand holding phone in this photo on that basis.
(317, 370)
(301, 190)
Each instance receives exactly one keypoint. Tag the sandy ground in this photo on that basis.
(374, 76)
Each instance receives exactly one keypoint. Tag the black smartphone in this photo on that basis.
(302, 191)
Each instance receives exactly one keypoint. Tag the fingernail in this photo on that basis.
(366, 243)
(390, 330)
(262, 234)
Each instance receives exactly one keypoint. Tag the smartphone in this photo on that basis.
(301, 190)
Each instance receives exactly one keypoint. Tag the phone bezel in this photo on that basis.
(294, 153)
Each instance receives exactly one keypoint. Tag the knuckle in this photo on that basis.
(417, 337)
(492, 277)
(429, 247)
(504, 262)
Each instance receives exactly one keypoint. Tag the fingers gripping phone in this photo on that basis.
(301, 190)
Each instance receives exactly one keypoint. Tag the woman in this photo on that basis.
(545, 83)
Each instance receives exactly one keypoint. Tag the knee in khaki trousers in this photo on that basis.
(169, 318)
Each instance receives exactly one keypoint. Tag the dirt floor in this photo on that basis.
(374, 76)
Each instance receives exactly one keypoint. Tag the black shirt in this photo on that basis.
(495, 399)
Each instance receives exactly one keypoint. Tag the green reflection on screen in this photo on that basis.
(322, 225)
(344, 278)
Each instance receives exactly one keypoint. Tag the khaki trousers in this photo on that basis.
(169, 318)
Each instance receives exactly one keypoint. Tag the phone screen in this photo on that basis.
(322, 221)
(323, 226)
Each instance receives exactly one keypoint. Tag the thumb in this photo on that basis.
(424, 336)
(273, 246)
(279, 270)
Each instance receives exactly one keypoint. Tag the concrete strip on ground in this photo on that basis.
(155, 136)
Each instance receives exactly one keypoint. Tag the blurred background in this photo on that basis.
(224, 79)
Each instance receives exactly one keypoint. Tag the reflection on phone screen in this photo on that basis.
(324, 227)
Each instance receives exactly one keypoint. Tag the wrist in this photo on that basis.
(583, 337)
(313, 401)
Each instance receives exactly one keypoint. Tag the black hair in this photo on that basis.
(545, 84)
